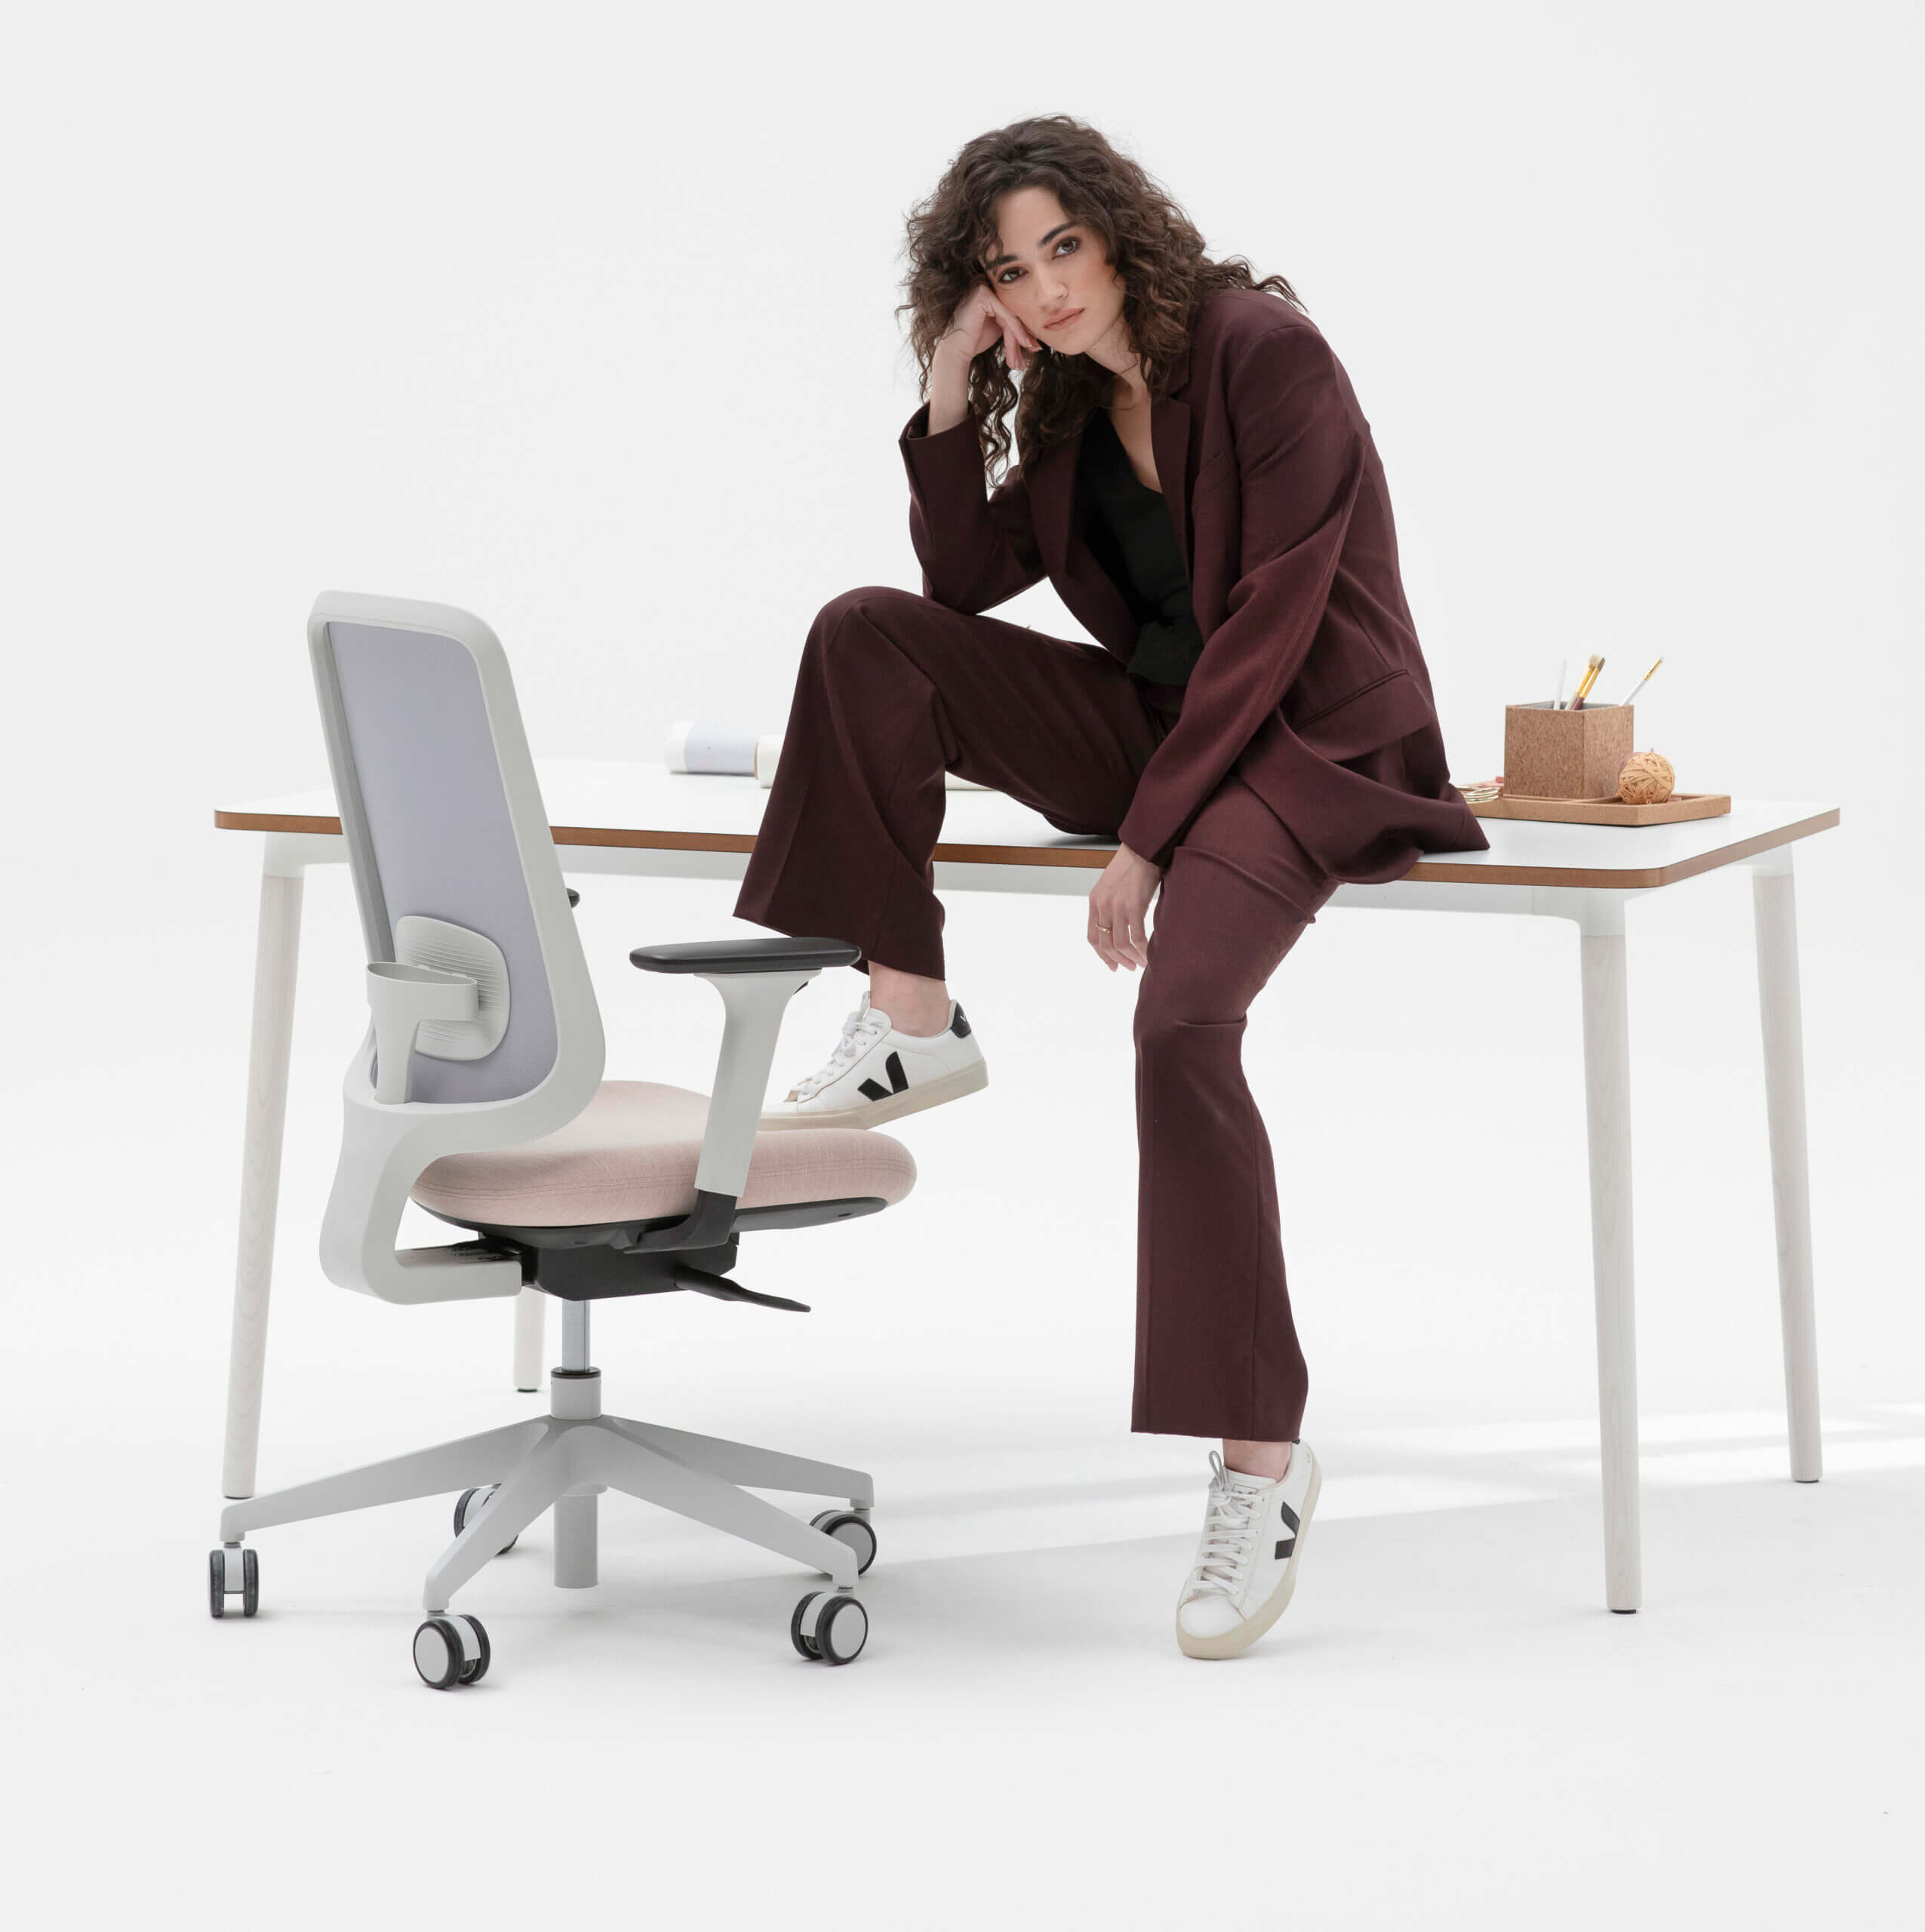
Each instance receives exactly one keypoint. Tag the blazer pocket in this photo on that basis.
(1382, 712)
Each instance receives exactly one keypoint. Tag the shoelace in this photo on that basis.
(1229, 1528)
(860, 1031)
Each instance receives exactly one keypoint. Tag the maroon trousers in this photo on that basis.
(895, 689)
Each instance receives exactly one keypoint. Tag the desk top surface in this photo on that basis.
(642, 806)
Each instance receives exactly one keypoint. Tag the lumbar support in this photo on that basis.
(403, 998)
(421, 941)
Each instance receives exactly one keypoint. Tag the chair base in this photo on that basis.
(562, 1461)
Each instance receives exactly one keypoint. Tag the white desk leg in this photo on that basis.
(276, 949)
(530, 1321)
(1774, 908)
(1607, 1116)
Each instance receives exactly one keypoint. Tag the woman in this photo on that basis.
(1199, 483)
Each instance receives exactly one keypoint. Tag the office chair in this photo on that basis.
(477, 1093)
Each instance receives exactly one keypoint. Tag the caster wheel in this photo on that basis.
(847, 1527)
(451, 1650)
(476, 1668)
(829, 1627)
(232, 1572)
(841, 1630)
(438, 1653)
(805, 1642)
(469, 1502)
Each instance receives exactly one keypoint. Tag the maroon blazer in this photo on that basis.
(1311, 685)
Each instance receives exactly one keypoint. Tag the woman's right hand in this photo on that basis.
(979, 319)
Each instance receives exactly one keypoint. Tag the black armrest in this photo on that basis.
(746, 955)
(574, 897)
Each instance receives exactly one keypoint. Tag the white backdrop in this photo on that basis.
(583, 318)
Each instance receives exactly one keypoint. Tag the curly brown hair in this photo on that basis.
(1155, 249)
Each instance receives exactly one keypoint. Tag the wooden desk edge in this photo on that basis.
(1094, 858)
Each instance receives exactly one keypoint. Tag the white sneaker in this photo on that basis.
(876, 1074)
(1246, 1566)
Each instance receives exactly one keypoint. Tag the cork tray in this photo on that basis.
(1607, 811)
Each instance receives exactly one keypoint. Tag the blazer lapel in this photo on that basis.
(1052, 501)
(1058, 504)
(1170, 443)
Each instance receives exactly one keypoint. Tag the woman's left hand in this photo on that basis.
(1119, 902)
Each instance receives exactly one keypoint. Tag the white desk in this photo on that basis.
(643, 820)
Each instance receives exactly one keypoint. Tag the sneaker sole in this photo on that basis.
(1246, 1633)
(910, 1100)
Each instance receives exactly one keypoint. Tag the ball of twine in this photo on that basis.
(1646, 779)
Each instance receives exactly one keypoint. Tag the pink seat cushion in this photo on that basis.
(631, 1155)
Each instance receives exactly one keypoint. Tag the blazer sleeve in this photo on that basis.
(976, 551)
(1300, 458)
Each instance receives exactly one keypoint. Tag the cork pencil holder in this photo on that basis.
(1552, 754)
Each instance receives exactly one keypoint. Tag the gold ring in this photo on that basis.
(1103, 929)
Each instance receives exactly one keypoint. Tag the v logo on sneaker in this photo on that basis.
(1289, 1543)
(898, 1079)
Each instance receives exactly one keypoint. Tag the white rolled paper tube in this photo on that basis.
(700, 746)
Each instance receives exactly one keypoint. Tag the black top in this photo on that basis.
(1133, 538)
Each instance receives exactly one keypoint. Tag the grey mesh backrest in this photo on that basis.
(454, 870)
(426, 813)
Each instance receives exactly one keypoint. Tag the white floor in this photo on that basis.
(1447, 1729)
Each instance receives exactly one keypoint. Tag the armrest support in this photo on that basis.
(757, 978)
(754, 1002)
(746, 955)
